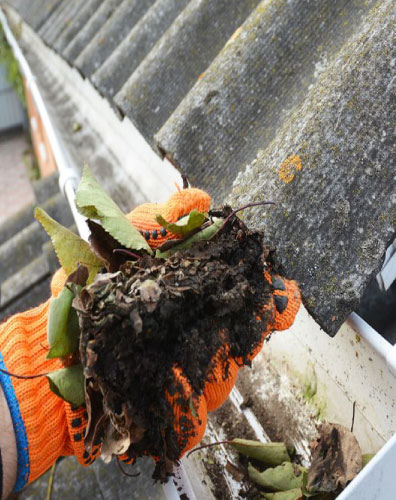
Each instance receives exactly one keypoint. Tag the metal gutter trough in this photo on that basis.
(301, 377)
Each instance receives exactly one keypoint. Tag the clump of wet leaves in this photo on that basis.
(154, 314)
(336, 460)
(143, 315)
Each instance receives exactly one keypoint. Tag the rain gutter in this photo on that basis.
(68, 177)
(380, 345)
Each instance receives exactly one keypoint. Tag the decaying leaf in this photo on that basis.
(268, 453)
(79, 277)
(336, 459)
(235, 472)
(284, 477)
(62, 326)
(69, 247)
(185, 225)
(97, 420)
(204, 235)
(104, 246)
(94, 203)
(114, 443)
(295, 494)
(68, 384)
(150, 293)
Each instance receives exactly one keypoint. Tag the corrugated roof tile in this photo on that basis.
(98, 19)
(111, 35)
(248, 91)
(63, 21)
(180, 56)
(81, 18)
(112, 75)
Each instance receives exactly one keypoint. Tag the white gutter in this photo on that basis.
(377, 481)
(387, 275)
(380, 345)
(68, 180)
(68, 177)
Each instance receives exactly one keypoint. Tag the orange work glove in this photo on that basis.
(47, 427)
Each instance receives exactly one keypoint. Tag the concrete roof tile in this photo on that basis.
(168, 72)
(116, 70)
(111, 35)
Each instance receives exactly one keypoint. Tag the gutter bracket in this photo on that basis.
(387, 274)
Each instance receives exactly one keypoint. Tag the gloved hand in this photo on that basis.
(47, 427)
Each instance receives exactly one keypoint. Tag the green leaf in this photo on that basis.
(185, 225)
(94, 203)
(281, 478)
(268, 453)
(367, 457)
(62, 326)
(68, 384)
(206, 234)
(295, 494)
(70, 248)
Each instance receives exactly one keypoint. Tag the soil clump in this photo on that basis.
(152, 315)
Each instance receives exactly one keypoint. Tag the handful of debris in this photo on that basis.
(153, 327)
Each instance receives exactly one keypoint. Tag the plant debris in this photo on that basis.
(336, 459)
(152, 326)
(152, 315)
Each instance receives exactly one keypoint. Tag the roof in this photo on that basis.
(278, 100)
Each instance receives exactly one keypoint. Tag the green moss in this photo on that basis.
(12, 68)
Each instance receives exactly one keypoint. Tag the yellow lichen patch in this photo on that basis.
(235, 35)
(288, 168)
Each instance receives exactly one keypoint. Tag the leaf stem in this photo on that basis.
(51, 481)
(244, 207)
(24, 377)
(127, 252)
(217, 443)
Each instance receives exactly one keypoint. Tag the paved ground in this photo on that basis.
(15, 189)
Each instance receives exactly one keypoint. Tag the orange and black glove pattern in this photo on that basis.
(47, 427)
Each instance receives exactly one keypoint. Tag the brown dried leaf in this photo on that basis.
(235, 472)
(79, 277)
(97, 420)
(336, 459)
(150, 293)
(103, 245)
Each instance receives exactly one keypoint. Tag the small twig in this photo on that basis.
(217, 443)
(353, 415)
(24, 377)
(124, 472)
(244, 207)
(51, 481)
(127, 252)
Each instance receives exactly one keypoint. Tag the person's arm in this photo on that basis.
(8, 458)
